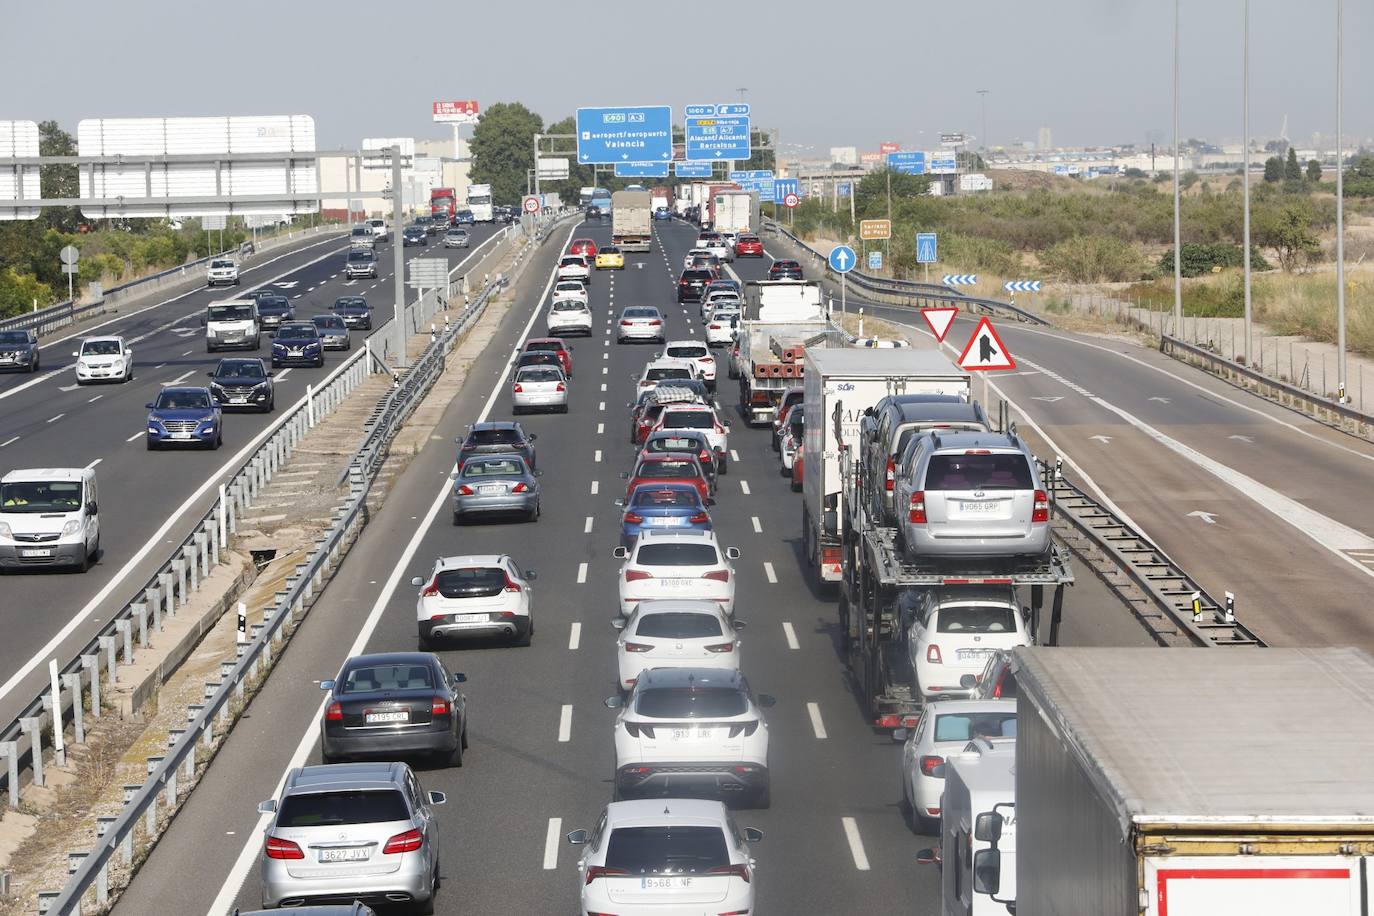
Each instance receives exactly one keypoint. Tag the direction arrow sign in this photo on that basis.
(1103, 439)
(785, 186)
(842, 259)
(530, 204)
(985, 350)
(717, 137)
(959, 279)
(639, 134)
(875, 229)
(1049, 399)
(927, 250)
(940, 319)
(1208, 517)
(1022, 286)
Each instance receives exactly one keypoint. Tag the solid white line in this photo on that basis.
(744, 485)
(551, 843)
(282, 374)
(56, 418)
(597, 457)
(596, 487)
(16, 439)
(814, 711)
(758, 528)
(94, 399)
(248, 855)
(131, 438)
(856, 843)
(574, 636)
(587, 526)
(770, 573)
(95, 462)
(565, 724)
(791, 635)
(581, 573)
(181, 378)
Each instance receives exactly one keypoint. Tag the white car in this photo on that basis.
(569, 316)
(720, 299)
(675, 634)
(656, 370)
(695, 352)
(479, 595)
(693, 254)
(574, 267)
(663, 857)
(701, 418)
(715, 244)
(222, 271)
(539, 388)
(944, 728)
(721, 327)
(640, 322)
(570, 289)
(676, 564)
(691, 732)
(104, 359)
(379, 229)
(954, 631)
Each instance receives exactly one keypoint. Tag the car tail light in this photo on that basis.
(511, 584)
(706, 359)
(721, 647)
(519, 488)
(1041, 512)
(439, 707)
(977, 451)
(746, 729)
(700, 518)
(713, 327)
(917, 510)
(334, 713)
(719, 575)
(737, 871)
(637, 647)
(933, 655)
(636, 729)
(634, 575)
(518, 389)
(891, 475)
(634, 518)
(278, 848)
(655, 323)
(561, 387)
(464, 490)
(929, 762)
(409, 841)
(468, 446)
(431, 590)
(602, 871)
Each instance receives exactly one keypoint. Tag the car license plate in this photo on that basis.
(35, 553)
(238, 400)
(680, 583)
(692, 734)
(394, 715)
(469, 618)
(352, 854)
(674, 883)
(181, 435)
(981, 507)
(972, 654)
(491, 489)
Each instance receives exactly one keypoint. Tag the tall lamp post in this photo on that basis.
(983, 103)
(1342, 380)
(1178, 248)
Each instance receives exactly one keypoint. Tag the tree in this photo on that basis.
(1288, 230)
(18, 292)
(1273, 169)
(1314, 171)
(58, 180)
(1291, 170)
(870, 196)
(1276, 146)
(1188, 179)
(503, 149)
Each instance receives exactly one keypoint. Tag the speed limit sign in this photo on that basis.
(530, 204)
(790, 201)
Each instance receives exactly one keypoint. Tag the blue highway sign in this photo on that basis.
(700, 111)
(692, 169)
(641, 170)
(927, 250)
(739, 110)
(842, 259)
(718, 138)
(842, 188)
(784, 186)
(875, 260)
(639, 134)
(909, 163)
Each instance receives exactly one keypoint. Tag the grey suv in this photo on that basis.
(971, 495)
(19, 350)
(894, 424)
(351, 831)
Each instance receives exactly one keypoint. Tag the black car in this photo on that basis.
(354, 311)
(19, 350)
(297, 343)
(691, 286)
(785, 270)
(496, 437)
(273, 310)
(243, 383)
(414, 235)
(394, 703)
(594, 213)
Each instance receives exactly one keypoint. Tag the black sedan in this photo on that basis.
(495, 437)
(785, 270)
(354, 311)
(414, 235)
(395, 703)
(243, 383)
(297, 343)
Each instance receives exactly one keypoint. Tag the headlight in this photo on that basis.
(207, 421)
(72, 527)
(278, 346)
(5, 531)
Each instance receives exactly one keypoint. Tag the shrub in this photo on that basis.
(1200, 259)
(1094, 259)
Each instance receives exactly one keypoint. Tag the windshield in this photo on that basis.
(324, 809)
(667, 469)
(676, 850)
(977, 619)
(679, 554)
(653, 375)
(441, 203)
(273, 304)
(968, 725)
(362, 230)
(366, 678)
(691, 703)
(351, 306)
(248, 368)
(14, 338)
(979, 472)
(183, 400)
(458, 233)
(296, 330)
(360, 254)
(100, 348)
(230, 313)
(679, 626)
(221, 263)
(40, 496)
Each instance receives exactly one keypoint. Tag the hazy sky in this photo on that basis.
(826, 74)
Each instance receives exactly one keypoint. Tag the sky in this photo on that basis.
(1097, 72)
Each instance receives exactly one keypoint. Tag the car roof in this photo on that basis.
(471, 559)
(691, 677)
(960, 441)
(649, 812)
(391, 658)
(103, 338)
(684, 606)
(534, 340)
(185, 389)
(369, 775)
(39, 475)
(495, 424)
(684, 342)
(651, 487)
(958, 705)
(670, 362)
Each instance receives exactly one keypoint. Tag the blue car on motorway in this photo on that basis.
(464, 218)
(297, 343)
(185, 415)
(659, 506)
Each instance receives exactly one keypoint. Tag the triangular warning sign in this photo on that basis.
(985, 350)
(940, 319)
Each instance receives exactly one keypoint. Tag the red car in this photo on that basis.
(669, 468)
(749, 246)
(584, 247)
(557, 346)
(798, 472)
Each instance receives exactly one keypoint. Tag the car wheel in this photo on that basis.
(796, 485)
(524, 638)
(84, 564)
(219, 440)
(152, 444)
(426, 643)
(724, 468)
(533, 515)
(454, 758)
(463, 738)
(427, 907)
(764, 796)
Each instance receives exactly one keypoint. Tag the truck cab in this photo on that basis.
(49, 517)
(232, 323)
(977, 852)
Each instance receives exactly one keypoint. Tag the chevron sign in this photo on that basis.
(959, 279)
(1022, 286)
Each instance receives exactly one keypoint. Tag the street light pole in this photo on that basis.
(1178, 248)
(983, 101)
(398, 255)
(1249, 314)
(1341, 378)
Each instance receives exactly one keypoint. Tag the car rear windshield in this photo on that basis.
(666, 850)
(539, 374)
(472, 582)
(663, 469)
(692, 352)
(965, 726)
(328, 809)
(366, 678)
(329, 321)
(977, 619)
(688, 419)
(494, 467)
(664, 497)
(679, 626)
(703, 275)
(40, 496)
(674, 444)
(641, 313)
(676, 555)
(543, 345)
(653, 375)
(569, 305)
(691, 703)
(573, 261)
(230, 312)
(979, 472)
(748, 238)
(495, 437)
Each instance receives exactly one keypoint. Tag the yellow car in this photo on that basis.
(610, 258)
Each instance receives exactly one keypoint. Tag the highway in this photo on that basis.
(149, 501)
(541, 756)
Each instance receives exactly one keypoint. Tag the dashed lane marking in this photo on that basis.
(758, 527)
(565, 724)
(574, 636)
(551, 843)
(770, 573)
(814, 711)
(581, 573)
(856, 843)
(791, 635)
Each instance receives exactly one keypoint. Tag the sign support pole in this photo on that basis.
(844, 309)
(398, 256)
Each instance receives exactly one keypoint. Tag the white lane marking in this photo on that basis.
(94, 399)
(604, 371)
(600, 429)
(282, 374)
(770, 573)
(791, 635)
(181, 378)
(744, 485)
(565, 724)
(597, 456)
(551, 843)
(574, 636)
(587, 525)
(16, 439)
(56, 418)
(135, 436)
(95, 462)
(596, 487)
(188, 352)
(814, 711)
(67, 387)
(603, 384)
(581, 573)
(856, 843)
(758, 527)
(734, 455)
(605, 356)
(248, 855)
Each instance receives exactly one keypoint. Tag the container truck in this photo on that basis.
(443, 203)
(735, 211)
(479, 202)
(779, 318)
(1191, 782)
(631, 220)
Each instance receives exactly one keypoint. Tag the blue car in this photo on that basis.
(663, 213)
(185, 416)
(297, 343)
(464, 218)
(658, 506)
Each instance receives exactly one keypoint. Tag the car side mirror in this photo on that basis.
(531, 575)
(620, 502)
(987, 827)
(532, 436)
(618, 623)
(215, 403)
(207, 375)
(614, 702)
(738, 625)
(267, 807)
(579, 837)
(927, 857)
(711, 501)
(538, 472)
(767, 700)
(148, 406)
(458, 677)
(75, 353)
(752, 835)
(732, 553)
(327, 684)
(417, 581)
(454, 476)
(621, 553)
(624, 475)
(92, 508)
(900, 734)
(437, 798)
(987, 871)
(968, 681)
(202, 321)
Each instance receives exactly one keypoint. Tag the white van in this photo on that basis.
(49, 517)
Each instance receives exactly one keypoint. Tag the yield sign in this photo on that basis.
(985, 350)
(940, 319)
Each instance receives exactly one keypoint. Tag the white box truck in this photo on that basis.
(1193, 782)
(631, 220)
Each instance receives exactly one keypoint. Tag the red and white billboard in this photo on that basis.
(463, 112)
(886, 148)
(871, 158)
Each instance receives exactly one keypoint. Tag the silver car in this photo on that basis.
(539, 388)
(456, 238)
(497, 484)
(333, 332)
(971, 494)
(640, 322)
(351, 831)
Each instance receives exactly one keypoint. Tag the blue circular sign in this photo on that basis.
(842, 259)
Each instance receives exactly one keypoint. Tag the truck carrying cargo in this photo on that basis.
(735, 211)
(780, 319)
(1191, 782)
(631, 220)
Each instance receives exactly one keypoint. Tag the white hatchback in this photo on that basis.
(676, 564)
(944, 728)
(696, 352)
(701, 418)
(675, 634)
(481, 595)
(721, 327)
(569, 316)
(104, 359)
(570, 289)
(539, 388)
(657, 370)
(573, 267)
(954, 631)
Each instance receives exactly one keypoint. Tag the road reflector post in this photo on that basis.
(1230, 608)
(1196, 599)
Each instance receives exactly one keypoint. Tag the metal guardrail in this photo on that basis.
(1324, 409)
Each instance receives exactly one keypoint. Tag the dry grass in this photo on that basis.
(1305, 305)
